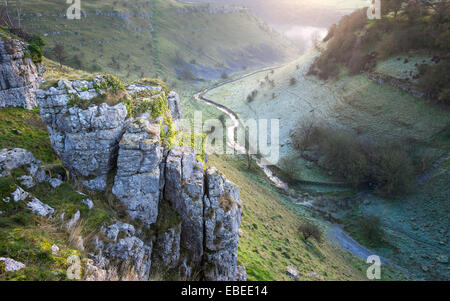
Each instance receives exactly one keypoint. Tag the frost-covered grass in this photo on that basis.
(399, 68)
(415, 225)
(370, 110)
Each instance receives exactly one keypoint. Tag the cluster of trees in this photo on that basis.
(384, 167)
(414, 25)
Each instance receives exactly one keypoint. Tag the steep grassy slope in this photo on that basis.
(28, 238)
(155, 38)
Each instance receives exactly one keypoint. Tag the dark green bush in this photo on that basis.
(392, 170)
(388, 168)
(252, 96)
(36, 48)
(370, 228)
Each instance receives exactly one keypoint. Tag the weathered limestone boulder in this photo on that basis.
(21, 158)
(19, 195)
(39, 208)
(184, 189)
(174, 103)
(94, 273)
(167, 247)
(183, 218)
(291, 272)
(86, 136)
(19, 76)
(222, 221)
(126, 248)
(137, 181)
(11, 265)
(54, 182)
(113, 231)
(86, 140)
(75, 218)
(89, 203)
(197, 220)
(27, 181)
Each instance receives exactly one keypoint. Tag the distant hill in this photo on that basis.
(298, 20)
(306, 12)
(167, 39)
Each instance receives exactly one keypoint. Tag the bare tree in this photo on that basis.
(392, 6)
(315, 37)
(60, 55)
(19, 14)
(5, 19)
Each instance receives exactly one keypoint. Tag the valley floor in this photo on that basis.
(416, 225)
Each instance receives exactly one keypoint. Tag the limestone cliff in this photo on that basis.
(183, 218)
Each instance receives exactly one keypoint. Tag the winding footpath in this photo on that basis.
(262, 163)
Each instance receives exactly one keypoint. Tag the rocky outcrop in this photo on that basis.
(21, 158)
(39, 208)
(167, 247)
(175, 107)
(86, 140)
(184, 218)
(122, 248)
(184, 189)
(402, 84)
(19, 76)
(222, 221)
(138, 177)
